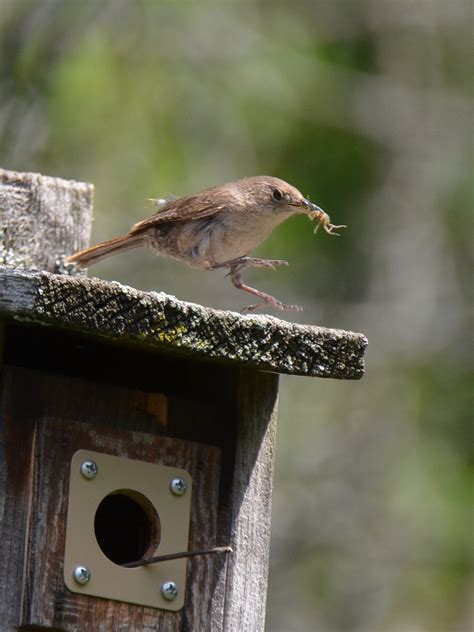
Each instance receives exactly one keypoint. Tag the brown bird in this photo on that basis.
(216, 228)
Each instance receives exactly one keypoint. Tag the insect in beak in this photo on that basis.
(314, 212)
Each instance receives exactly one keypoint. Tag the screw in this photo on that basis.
(81, 574)
(169, 590)
(178, 486)
(89, 469)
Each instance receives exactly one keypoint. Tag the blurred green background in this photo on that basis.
(364, 105)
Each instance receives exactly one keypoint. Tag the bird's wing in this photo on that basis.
(197, 206)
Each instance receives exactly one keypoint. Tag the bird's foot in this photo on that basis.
(271, 301)
(268, 299)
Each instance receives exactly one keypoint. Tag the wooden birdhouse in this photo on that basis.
(134, 426)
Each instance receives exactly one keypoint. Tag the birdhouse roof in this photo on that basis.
(156, 320)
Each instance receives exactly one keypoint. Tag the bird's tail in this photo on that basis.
(94, 254)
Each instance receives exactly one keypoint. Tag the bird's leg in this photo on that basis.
(236, 278)
(250, 262)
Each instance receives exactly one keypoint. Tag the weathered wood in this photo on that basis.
(251, 505)
(42, 218)
(16, 463)
(121, 313)
(52, 428)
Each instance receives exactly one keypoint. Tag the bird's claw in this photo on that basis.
(284, 307)
(273, 263)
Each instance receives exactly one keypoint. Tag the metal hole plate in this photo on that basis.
(109, 580)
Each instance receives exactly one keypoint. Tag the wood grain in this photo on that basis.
(251, 502)
(42, 218)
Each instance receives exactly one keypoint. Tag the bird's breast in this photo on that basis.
(205, 242)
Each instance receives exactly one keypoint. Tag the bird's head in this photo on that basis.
(276, 196)
(279, 199)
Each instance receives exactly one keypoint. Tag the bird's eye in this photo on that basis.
(277, 195)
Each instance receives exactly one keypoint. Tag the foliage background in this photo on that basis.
(365, 106)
